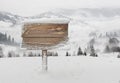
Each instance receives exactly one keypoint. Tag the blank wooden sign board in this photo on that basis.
(44, 34)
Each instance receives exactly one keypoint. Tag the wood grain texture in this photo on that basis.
(44, 34)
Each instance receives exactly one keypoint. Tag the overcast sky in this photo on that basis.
(31, 7)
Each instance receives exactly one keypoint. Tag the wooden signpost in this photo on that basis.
(42, 35)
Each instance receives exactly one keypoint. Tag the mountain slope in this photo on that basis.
(6, 17)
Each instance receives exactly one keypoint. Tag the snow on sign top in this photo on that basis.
(49, 20)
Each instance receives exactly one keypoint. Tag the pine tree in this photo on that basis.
(56, 54)
(107, 49)
(1, 52)
(79, 51)
(50, 54)
(118, 55)
(12, 40)
(5, 36)
(92, 53)
(30, 54)
(39, 55)
(11, 54)
(85, 52)
(67, 54)
(9, 38)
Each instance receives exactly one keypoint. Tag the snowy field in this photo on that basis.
(78, 69)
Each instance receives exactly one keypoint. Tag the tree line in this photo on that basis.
(7, 39)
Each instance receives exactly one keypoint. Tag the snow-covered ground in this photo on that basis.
(78, 69)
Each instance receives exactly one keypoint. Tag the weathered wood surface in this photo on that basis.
(44, 34)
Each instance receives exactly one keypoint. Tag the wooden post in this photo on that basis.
(44, 60)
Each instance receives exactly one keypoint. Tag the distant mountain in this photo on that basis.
(75, 15)
(10, 18)
(80, 15)
(90, 12)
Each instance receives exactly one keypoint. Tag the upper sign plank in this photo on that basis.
(45, 30)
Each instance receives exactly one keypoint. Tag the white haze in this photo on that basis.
(32, 7)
